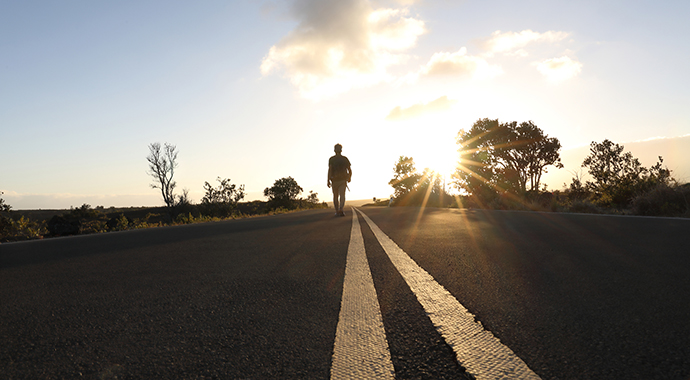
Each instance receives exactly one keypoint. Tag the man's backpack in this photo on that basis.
(339, 165)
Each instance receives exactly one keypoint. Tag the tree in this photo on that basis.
(405, 177)
(5, 222)
(475, 173)
(413, 188)
(526, 151)
(312, 198)
(283, 193)
(222, 201)
(497, 157)
(4, 206)
(429, 190)
(618, 176)
(162, 164)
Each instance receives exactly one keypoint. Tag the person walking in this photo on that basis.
(339, 174)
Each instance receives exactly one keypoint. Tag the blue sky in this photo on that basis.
(259, 90)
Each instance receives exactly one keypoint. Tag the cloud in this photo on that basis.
(342, 44)
(560, 69)
(512, 43)
(458, 64)
(440, 104)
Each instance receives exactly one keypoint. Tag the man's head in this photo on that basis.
(338, 148)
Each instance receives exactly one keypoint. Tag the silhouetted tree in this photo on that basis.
(525, 150)
(311, 201)
(497, 157)
(475, 173)
(312, 198)
(413, 188)
(83, 212)
(405, 176)
(4, 206)
(5, 221)
(222, 201)
(618, 176)
(577, 191)
(162, 164)
(283, 193)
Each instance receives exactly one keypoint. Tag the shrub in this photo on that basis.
(221, 201)
(118, 223)
(585, 207)
(662, 201)
(20, 229)
(283, 194)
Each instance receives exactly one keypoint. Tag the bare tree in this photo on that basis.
(162, 164)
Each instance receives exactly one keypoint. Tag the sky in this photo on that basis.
(255, 91)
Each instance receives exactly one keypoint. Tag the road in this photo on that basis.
(565, 296)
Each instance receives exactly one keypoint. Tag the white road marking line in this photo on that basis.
(478, 350)
(360, 350)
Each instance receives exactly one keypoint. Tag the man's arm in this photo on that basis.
(349, 170)
(328, 181)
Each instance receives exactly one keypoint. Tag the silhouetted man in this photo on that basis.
(339, 174)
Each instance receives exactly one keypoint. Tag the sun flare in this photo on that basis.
(441, 157)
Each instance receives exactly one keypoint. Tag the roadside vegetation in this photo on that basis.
(220, 202)
(500, 167)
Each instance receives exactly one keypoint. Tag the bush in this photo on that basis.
(222, 201)
(283, 194)
(20, 229)
(585, 207)
(663, 201)
(118, 223)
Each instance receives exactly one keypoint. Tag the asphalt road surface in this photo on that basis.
(565, 296)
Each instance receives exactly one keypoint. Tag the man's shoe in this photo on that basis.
(341, 213)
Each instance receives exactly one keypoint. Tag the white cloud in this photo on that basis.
(342, 44)
(438, 105)
(459, 63)
(513, 42)
(559, 69)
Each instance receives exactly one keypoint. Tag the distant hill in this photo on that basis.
(675, 152)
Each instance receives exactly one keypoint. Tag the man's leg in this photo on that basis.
(336, 204)
(341, 193)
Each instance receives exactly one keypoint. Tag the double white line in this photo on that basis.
(361, 350)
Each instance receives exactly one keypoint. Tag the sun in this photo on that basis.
(440, 156)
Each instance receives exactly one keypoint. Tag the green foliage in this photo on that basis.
(20, 229)
(185, 218)
(618, 177)
(221, 201)
(119, 223)
(283, 193)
